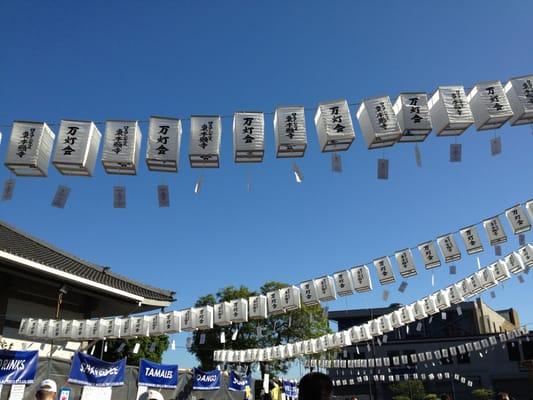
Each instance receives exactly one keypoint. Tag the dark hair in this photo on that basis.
(502, 396)
(315, 386)
(445, 396)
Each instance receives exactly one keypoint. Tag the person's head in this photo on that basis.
(154, 395)
(445, 396)
(315, 386)
(47, 390)
(502, 396)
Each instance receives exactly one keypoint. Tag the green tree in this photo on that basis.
(305, 323)
(482, 394)
(151, 348)
(412, 389)
(431, 396)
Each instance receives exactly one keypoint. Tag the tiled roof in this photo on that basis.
(20, 244)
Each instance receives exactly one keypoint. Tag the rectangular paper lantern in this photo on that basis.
(309, 293)
(204, 145)
(455, 294)
(519, 92)
(429, 255)
(407, 314)
(450, 112)
(500, 271)
(464, 288)
(30, 148)
(384, 270)
(122, 146)
(343, 338)
(442, 300)
(77, 148)
(188, 319)
(419, 310)
(412, 112)
(378, 122)
(343, 283)
(290, 298)
(81, 332)
(222, 314)
(98, 329)
(406, 264)
(361, 279)
(474, 282)
(24, 326)
(172, 322)
(385, 323)
(334, 126)
(139, 326)
(274, 303)
(430, 306)
(204, 318)
(248, 137)
(449, 248)
(487, 278)
(164, 143)
(113, 327)
(325, 288)
(355, 337)
(495, 231)
(471, 239)
(239, 310)
(257, 307)
(396, 319)
(518, 219)
(489, 105)
(290, 132)
(526, 254)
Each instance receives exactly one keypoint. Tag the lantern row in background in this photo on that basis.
(449, 112)
(432, 304)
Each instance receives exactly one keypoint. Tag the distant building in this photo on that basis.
(32, 273)
(502, 369)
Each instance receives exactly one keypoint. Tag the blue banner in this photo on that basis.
(18, 367)
(290, 388)
(158, 375)
(206, 380)
(238, 383)
(91, 371)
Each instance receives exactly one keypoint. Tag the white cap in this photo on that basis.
(48, 385)
(155, 395)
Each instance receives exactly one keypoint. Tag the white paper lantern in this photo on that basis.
(355, 336)
(325, 288)
(361, 279)
(204, 318)
(239, 310)
(71, 327)
(475, 283)
(290, 132)
(384, 270)
(274, 303)
(429, 255)
(526, 254)
(343, 283)
(112, 327)
(518, 219)
(344, 339)
(310, 346)
(24, 326)
(495, 231)
(188, 319)
(442, 300)
(396, 319)
(139, 326)
(204, 145)
(364, 332)
(257, 307)
(449, 248)
(77, 148)
(500, 271)
(406, 264)
(80, 331)
(222, 314)
(519, 92)
(471, 239)
(378, 122)
(430, 306)
(419, 310)
(248, 137)
(172, 322)
(487, 278)
(375, 329)
(464, 289)
(489, 105)
(33, 327)
(385, 323)
(59, 329)
(164, 143)
(412, 112)
(514, 263)
(98, 329)
(450, 112)
(308, 293)
(122, 146)
(30, 148)
(290, 298)
(334, 126)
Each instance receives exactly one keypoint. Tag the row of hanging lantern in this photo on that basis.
(482, 280)
(448, 112)
(391, 378)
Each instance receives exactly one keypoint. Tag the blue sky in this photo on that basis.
(110, 60)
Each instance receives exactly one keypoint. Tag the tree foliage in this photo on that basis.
(305, 323)
(482, 394)
(151, 348)
(412, 389)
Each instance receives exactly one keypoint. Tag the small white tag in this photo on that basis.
(222, 337)
(498, 250)
(418, 156)
(379, 342)
(522, 239)
(402, 287)
(443, 315)
(61, 196)
(234, 335)
(455, 152)
(173, 345)
(198, 185)
(336, 163)
(297, 173)
(357, 349)
(105, 347)
(419, 327)
(259, 332)
(385, 338)
(385, 295)
(430, 319)
(453, 270)
(202, 338)
(383, 168)
(119, 197)
(432, 279)
(136, 348)
(188, 343)
(121, 347)
(9, 187)
(163, 196)
(495, 146)
(459, 310)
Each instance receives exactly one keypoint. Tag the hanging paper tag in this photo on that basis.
(61, 196)
(521, 279)
(459, 310)
(453, 270)
(188, 343)
(498, 250)
(173, 345)
(418, 156)
(222, 337)
(234, 335)
(136, 348)
(383, 168)
(153, 347)
(121, 347)
(105, 347)
(455, 152)
(385, 295)
(402, 287)
(202, 338)
(297, 173)
(119, 197)
(419, 326)
(521, 239)
(443, 315)
(163, 196)
(432, 279)
(430, 319)
(198, 185)
(9, 187)
(492, 294)
(495, 146)
(336, 163)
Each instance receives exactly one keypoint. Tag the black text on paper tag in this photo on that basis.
(61, 196)
(455, 152)
(119, 197)
(383, 168)
(9, 187)
(336, 163)
(163, 195)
